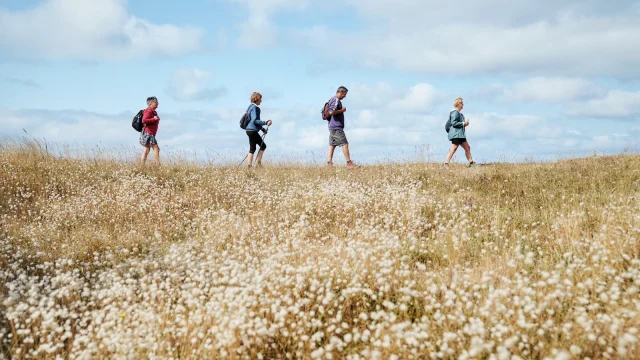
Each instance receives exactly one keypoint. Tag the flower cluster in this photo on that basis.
(102, 259)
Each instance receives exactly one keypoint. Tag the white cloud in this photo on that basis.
(190, 84)
(503, 12)
(22, 82)
(540, 89)
(552, 89)
(371, 95)
(91, 30)
(517, 126)
(258, 30)
(375, 106)
(366, 118)
(615, 104)
(67, 126)
(497, 36)
(419, 98)
(391, 129)
(578, 97)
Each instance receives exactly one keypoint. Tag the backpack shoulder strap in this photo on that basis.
(141, 114)
(246, 113)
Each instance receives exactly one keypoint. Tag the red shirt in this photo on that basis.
(151, 124)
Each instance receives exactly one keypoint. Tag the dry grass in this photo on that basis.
(104, 259)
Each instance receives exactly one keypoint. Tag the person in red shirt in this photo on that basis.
(150, 121)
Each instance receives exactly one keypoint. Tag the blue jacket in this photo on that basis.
(457, 125)
(255, 124)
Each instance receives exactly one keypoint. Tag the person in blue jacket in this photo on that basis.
(457, 134)
(255, 125)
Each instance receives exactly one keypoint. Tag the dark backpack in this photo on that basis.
(137, 121)
(325, 112)
(447, 126)
(245, 119)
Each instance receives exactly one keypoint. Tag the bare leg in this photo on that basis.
(467, 151)
(259, 158)
(452, 151)
(145, 153)
(250, 158)
(156, 153)
(331, 149)
(345, 151)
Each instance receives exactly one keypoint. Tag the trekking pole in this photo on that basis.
(262, 142)
(264, 136)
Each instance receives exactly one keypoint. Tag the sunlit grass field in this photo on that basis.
(104, 259)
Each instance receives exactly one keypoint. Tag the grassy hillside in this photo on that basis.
(104, 259)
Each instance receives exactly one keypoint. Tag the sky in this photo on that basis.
(540, 80)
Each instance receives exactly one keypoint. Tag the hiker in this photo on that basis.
(150, 121)
(457, 134)
(255, 125)
(337, 136)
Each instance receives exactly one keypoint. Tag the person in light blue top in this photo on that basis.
(457, 134)
(255, 125)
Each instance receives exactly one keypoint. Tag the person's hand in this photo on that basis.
(156, 117)
(466, 123)
(269, 122)
(344, 109)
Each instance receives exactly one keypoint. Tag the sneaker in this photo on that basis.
(472, 164)
(445, 165)
(329, 163)
(351, 165)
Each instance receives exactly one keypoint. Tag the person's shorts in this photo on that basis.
(147, 139)
(458, 141)
(337, 137)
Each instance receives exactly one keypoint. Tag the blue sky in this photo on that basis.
(540, 80)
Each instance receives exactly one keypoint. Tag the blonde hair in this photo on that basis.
(255, 97)
(457, 102)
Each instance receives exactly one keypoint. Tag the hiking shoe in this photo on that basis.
(351, 165)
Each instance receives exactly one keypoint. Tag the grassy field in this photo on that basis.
(103, 259)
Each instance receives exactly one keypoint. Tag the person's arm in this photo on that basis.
(256, 118)
(333, 105)
(148, 117)
(456, 120)
(336, 112)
